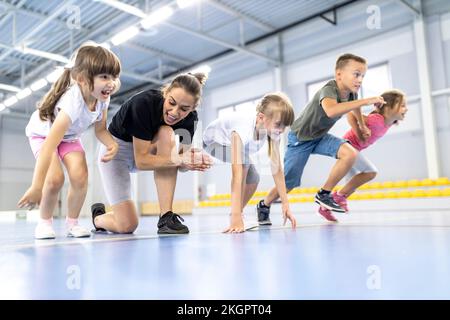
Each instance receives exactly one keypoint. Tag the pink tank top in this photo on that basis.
(375, 122)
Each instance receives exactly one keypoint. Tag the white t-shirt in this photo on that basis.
(73, 104)
(220, 130)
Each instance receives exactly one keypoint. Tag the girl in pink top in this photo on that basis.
(378, 121)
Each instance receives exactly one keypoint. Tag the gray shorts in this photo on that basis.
(115, 174)
(223, 153)
(362, 164)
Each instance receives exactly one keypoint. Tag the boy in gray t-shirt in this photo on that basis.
(309, 134)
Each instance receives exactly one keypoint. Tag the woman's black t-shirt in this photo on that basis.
(141, 116)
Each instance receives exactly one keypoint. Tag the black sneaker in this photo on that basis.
(97, 209)
(170, 223)
(263, 214)
(326, 200)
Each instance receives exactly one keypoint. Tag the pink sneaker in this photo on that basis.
(341, 201)
(324, 212)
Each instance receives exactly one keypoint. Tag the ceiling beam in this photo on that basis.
(141, 14)
(40, 26)
(34, 14)
(222, 43)
(62, 23)
(230, 54)
(157, 52)
(11, 9)
(411, 7)
(141, 78)
(332, 21)
(92, 34)
(223, 7)
(10, 88)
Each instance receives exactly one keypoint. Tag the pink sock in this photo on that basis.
(46, 221)
(70, 222)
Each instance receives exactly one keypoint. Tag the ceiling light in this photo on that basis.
(124, 35)
(156, 17)
(201, 69)
(24, 93)
(9, 102)
(38, 85)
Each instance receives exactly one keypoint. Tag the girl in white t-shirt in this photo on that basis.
(79, 98)
(233, 138)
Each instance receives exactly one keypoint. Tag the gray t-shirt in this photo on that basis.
(313, 122)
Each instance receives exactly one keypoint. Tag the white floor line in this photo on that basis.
(50, 243)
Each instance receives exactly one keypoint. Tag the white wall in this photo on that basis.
(16, 161)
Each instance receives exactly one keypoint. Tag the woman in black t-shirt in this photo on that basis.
(145, 128)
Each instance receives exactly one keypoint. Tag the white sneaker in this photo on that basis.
(44, 231)
(249, 224)
(77, 231)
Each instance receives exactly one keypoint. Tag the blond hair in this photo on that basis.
(276, 103)
(88, 61)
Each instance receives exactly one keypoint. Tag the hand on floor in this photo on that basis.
(236, 225)
(287, 214)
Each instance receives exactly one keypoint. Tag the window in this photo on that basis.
(245, 107)
(376, 81)
(314, 87)
(226, 110)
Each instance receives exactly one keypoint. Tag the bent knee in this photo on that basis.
(55, 183)
(252, 177)
(371, 175)
(129, 227)
(347, 152)
(79, 180)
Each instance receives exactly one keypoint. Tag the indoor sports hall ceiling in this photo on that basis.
(235, 38)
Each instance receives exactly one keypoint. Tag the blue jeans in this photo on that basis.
(298, 152)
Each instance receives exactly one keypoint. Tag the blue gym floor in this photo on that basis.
(385, 255)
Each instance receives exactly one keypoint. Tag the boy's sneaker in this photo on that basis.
(170, 223)
(326, 200)
(77, 231)
(341, 201)
(263, 214)
(97, 209)
(327, 214)
(44, 231)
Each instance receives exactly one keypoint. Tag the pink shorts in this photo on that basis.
(62, 149)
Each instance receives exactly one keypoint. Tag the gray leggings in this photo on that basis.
(223, 153)
(115, 174)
